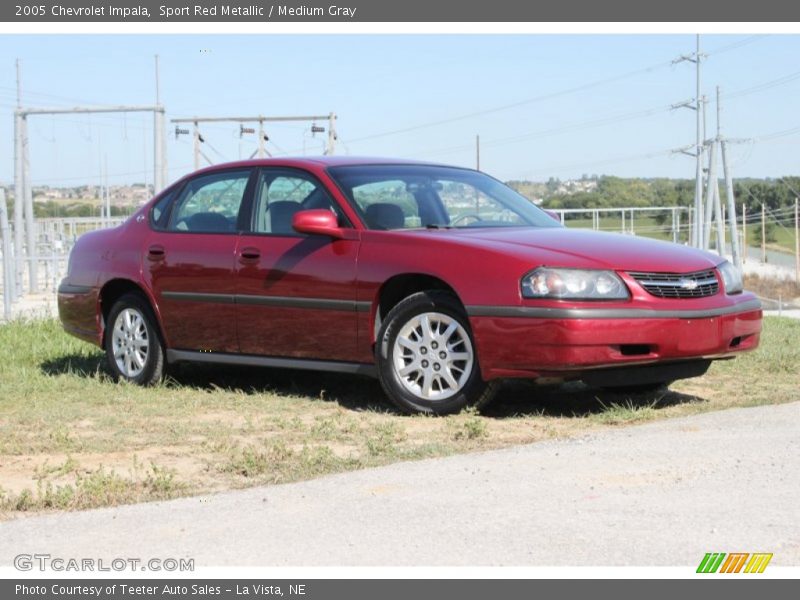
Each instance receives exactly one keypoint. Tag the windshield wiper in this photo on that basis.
(438, 226)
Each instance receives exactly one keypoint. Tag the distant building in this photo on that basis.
(574, 186)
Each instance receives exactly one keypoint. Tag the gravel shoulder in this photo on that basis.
(663, 493)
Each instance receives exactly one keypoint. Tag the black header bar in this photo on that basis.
(442, 11)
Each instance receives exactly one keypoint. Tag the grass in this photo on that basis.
(784, 240)
(71, 439)
(644, 224)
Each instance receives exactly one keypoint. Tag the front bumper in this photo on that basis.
(553, 342)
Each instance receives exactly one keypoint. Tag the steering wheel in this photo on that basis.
(466, 216)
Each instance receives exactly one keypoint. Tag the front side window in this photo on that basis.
(210, 203)
(387, 204)
(281, 193)
(412, 196)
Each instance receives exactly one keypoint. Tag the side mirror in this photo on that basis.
(318, 221)
(554, 215)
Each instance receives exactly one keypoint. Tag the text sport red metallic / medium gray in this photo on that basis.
(438, 280)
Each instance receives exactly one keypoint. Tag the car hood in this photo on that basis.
(583, 248)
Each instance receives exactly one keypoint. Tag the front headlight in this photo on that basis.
(573, 284)
(731, 278)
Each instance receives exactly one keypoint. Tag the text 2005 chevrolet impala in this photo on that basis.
(438, 280)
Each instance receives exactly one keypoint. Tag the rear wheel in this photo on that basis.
(426, 356)
(132, 342)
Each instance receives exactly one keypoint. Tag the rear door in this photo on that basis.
(189, 259)
(295, 294)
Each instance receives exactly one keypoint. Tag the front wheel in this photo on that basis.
(132, 342)
(426, 356)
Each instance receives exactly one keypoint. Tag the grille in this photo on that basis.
(678, 285)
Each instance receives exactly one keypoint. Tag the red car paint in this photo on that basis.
(340, 280)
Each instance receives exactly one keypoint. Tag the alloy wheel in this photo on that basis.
(432, 356)
(130, 342)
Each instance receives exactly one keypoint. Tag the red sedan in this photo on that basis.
(438, 280)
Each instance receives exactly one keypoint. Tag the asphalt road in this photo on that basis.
(663, 493)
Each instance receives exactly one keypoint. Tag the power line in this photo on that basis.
(617, 159)
(656, 153)
(89, 177)
(766, 85)
(791, 189)
(733, 46)
(777, 134)
(541, 98)
(568, 128)
(611, 120)
(550, 96)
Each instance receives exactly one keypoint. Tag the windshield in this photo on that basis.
(416, 196)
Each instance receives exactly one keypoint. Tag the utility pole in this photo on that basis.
(477, 168)
(698, 230)
(763, 233)
(23, 188)
(261, 151)
(731, 200)
(19, 191)
(713, 202)
(796, 241)
(744, 233)
(262, 138)
(690, 225)
(23, 201)
(719, 215)
(30, 222)
(698, 189)
(332, 136)
(159, 139)
(196, 147)
(710, 193)
(107, 195)
(8, 263)
(330, 145)
(729, 197)
(713, 209)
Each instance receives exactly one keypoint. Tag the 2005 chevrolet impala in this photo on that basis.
(438, 280)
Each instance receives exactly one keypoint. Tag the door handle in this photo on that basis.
(156, 252)
(249, 255)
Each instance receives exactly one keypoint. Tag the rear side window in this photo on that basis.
(160, 211)
(210, 203)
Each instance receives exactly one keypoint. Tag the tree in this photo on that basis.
(769, 233)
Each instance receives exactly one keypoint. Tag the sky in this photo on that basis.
(543, 105)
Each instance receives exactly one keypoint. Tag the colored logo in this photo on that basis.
(735, 562)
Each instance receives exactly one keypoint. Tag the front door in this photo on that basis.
(295, 294)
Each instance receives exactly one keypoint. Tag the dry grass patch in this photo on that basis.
(72, 439)
(770, 287)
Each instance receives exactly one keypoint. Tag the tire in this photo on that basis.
(133, 344)
(406, 367)
(641, 388)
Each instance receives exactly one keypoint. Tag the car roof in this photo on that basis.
(316, 161)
